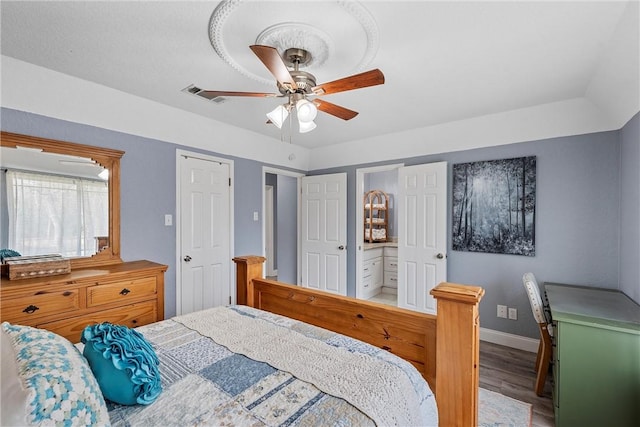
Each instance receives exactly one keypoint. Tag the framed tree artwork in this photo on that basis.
(494, 206)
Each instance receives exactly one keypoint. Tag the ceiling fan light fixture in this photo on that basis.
(307, 111)
(305, 127)
(278, 115)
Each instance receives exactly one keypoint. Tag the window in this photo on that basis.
(56, 214)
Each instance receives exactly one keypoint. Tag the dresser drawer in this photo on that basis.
(40, 304)
(130, 315)
(120, 291)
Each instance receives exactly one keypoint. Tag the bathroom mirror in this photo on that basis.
(68, 162)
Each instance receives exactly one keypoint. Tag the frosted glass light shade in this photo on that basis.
(305, 127)
(278, 116)
(307, 111)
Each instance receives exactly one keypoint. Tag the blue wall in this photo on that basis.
(272, 180)
(287, 229)
(577, 228)
(630, 208)
(148, 190)
(580, 210)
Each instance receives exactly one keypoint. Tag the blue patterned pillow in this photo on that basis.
(61, 388)
(123, 362)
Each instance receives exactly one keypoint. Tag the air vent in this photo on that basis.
(218, 99)
(194, 90)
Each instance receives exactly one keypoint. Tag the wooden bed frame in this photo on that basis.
(444, 348)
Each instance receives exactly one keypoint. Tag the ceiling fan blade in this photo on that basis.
(335, 110)
(357, 81)
(210, 94)
(274, 63)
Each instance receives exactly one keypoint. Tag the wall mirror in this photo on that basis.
(81, 191)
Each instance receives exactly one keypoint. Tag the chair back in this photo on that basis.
(531, 286)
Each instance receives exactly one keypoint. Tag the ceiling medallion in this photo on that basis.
(285, 35)
(300, 36)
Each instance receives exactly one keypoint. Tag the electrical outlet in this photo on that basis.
(513, 313)
(502, 311)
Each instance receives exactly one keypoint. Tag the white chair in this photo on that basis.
(546, 330)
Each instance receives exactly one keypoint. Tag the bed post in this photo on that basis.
(247, 268)
(457, 353)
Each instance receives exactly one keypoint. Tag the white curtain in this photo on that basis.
(51, 214)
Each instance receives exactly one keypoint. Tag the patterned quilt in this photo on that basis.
(205, 383)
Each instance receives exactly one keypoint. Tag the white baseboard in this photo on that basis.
(509, 340)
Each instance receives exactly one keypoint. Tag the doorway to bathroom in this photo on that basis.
(403, 266)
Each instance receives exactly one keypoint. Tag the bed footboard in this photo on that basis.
(444, 348)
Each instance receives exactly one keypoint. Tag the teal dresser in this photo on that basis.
(596, 367)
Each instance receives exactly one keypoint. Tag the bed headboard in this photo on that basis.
(444, 348)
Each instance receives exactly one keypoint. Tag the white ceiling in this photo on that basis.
(444, 62)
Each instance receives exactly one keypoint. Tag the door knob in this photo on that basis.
(440, 256)
(341, 247)
(187, 258)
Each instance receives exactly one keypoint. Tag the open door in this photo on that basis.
(422, 236)
(324, 233)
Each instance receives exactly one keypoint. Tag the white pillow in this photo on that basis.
(14, 396)
(57, 379)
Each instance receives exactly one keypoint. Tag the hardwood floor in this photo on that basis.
(511, 372)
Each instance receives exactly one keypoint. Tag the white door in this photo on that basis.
(205, 251)
(324, 233)
(422, 218)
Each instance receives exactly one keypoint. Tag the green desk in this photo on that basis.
(596, 368)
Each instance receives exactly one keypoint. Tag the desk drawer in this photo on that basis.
(40, 304)
(120, 291)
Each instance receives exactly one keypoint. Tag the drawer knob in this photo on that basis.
(124, 291)
(31, 309)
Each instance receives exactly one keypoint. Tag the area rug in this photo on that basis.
(498, 410)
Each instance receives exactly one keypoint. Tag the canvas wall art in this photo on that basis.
(494, 206)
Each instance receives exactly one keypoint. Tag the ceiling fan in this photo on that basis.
(297, 85)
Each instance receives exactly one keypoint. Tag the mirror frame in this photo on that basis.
(106, 157)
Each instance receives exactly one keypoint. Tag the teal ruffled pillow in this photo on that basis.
(123, 362)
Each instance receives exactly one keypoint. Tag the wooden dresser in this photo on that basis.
(127, 293)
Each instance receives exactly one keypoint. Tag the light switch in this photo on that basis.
(255, 216)
(168, 220)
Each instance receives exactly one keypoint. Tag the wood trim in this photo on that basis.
(106, 157)
(451, 338)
